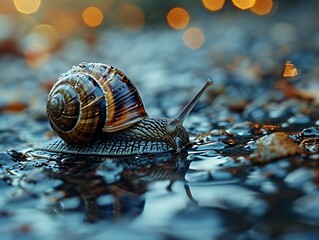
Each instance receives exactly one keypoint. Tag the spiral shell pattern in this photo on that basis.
(92, 98)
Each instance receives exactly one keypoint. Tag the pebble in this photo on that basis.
(299, 177)
(299, 119)
(308, 206)
(211, 146)
(311, 131)
(70, 203)
(274, 146)
(269, 187)
(310, 144)
(242, 129)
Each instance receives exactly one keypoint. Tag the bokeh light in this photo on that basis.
(92, 16)
(178, 18)
(193, 38)
(38, 43)
(213, 5)
(262, 7)
(244, 4)
(27, 6)
(45, 35)
(35, 55)
(64, 21)
(131, 17)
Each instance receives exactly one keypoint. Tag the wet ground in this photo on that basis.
(232, 184)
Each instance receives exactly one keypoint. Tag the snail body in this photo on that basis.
(95, 109)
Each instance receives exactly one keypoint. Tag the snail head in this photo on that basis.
(175, 126)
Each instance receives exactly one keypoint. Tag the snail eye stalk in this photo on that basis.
(189, 107)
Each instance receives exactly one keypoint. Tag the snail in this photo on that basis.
(96, 110)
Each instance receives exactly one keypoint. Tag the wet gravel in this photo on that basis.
(215, 190)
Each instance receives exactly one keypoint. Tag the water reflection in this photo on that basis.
(184, 195)
(110, 189)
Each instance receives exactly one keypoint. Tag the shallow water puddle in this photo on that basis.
(160, 193)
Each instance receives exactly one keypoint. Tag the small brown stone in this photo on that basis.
(274, 146)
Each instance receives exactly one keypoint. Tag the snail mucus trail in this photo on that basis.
(96, 110)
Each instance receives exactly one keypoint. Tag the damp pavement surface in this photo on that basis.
(252, 172)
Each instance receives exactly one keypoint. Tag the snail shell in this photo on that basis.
(90, 99)
(95, 109)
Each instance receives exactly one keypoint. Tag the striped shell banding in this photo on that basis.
(90, 99)
(96, 110)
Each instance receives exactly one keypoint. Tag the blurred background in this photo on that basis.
(35, 29)
(160, 45)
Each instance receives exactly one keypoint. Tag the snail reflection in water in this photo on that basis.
(96, 110)
(108, 189)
